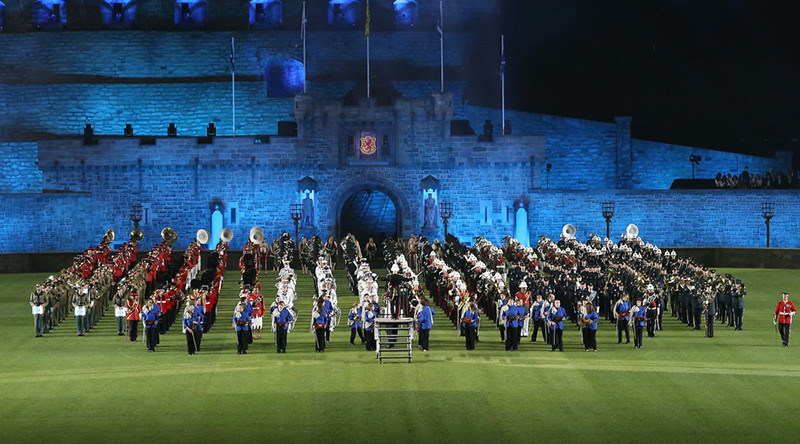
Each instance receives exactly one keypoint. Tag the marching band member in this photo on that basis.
(320, 319)
(80, 302)
(538, 320)
(354, 321)
(133, 310)
(623, 311)
(189, 325)
(589, 322)
(512, 317)
(555, 319)
(150, 314)
(369, 324)
(257, 301)
(119, 311)
(470, 323)
(282, 321)
(425, 322)
(241, 319)
(784, 313)
(639, 320)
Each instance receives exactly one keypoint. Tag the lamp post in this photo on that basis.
(297, 213)
(768, 212)
(446, 212)
(608, 213)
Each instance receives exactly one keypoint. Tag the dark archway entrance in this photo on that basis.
(369, 213)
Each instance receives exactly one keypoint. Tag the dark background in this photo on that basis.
(715, 74)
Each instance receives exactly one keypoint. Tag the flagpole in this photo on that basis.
(305, 70)
(503, 81)
(233, 90)
(366, 30)
(441, 41)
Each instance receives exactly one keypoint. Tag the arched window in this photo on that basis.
(344, 14)
(49, 14)
(120, 14)
(406, 14)
(266, 14)
(284, 77)
(217, 221)
(191, 14)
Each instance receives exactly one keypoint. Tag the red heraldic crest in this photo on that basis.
(369, 145)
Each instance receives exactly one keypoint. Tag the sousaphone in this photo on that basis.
(202, 236)
(226, 235)
(256, 235)
(631, 231)
(569, 231)
(169, 235)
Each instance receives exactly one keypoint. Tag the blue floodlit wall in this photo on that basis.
(53, 186)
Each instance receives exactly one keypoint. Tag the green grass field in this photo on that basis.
(736, 387)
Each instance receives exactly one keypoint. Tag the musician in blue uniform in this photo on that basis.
(282, 321)
(369, 326)
(189, 326)
(623, 311)
(199, 319)
(590, 327)
(522, 313)
(150, 317)
(538, 321)
(354, 320)
(639, 320)
(241, 318)
(555, 320)
(512, 325)
(425, 320)
(320, 324)
(328, 314)
(470, 323)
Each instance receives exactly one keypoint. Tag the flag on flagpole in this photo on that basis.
(439, 24)
(366, 26)
(232, 68)
(303, 23)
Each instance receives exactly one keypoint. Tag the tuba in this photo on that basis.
(226, 235)
(169, 235)
(109, 236)
(256, 235)
(631, 231)
(569, 231)
(202, 236)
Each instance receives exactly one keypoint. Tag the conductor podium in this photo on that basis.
(397, 333)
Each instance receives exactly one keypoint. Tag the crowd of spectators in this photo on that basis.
(746, 180)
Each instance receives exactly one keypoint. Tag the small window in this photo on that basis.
(266, 14)
(119, 14)
(344, 14)
(191, 14)
(49, 14)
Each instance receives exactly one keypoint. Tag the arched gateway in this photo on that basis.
(365, 206)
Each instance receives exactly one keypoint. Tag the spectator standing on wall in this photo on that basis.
(744, 178)
(769, 179)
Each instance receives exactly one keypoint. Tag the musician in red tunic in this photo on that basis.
(784, 313)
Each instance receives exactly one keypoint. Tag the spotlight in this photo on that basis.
(128, 130)
(172, 131)
(211, 131)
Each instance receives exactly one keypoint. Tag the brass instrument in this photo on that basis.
(226, 235)
(169, 235)
(202, 236)
(109, 236)
(136, 235)
(569, 231)
(631, 231)
(256, 235)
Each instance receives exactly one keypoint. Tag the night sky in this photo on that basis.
(716, 74)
